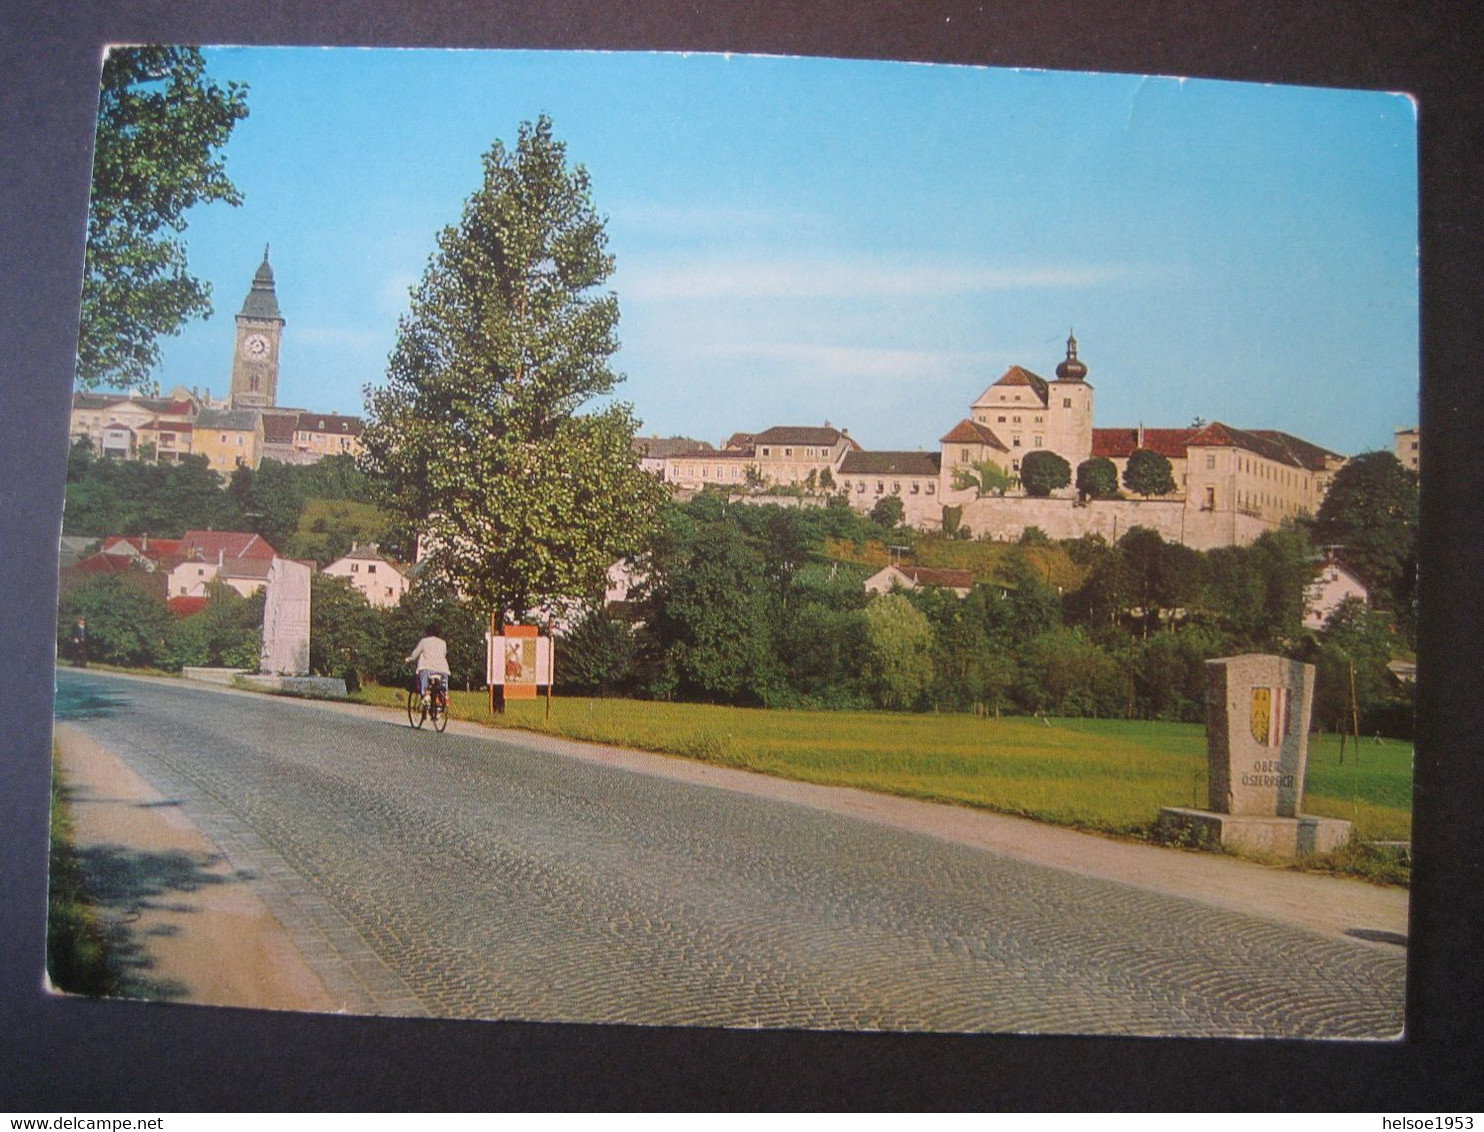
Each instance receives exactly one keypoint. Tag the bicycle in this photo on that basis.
(434, 708)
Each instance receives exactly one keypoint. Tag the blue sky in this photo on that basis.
(872, 244)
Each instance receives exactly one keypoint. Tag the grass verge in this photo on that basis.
(1109, 776)
(77, 949)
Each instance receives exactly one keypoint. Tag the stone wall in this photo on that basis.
(1006, 519)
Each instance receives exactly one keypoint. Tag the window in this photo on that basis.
(1210, 459)
(860, 487)
(963, 456)
(788, 451)
(931, 487)
(1066, 402)
(999, 420)
(916, 488)
(1040, 420)
(880, 487)
(371, 567)
(355, 567)
(1015, 442)
(1037, 442)
(896, 487)
(767, 451)
(1014, 420)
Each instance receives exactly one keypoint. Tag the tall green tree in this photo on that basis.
(126, 497)
(345, 632)
(901, 651)
(1043, 472)
(708, 617)
(1370, 511)
(478, 435)
(1148, 473)
(1097, 478)
(161, 126)
(889, 511)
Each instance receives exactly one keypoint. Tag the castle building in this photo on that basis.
(1231, 484)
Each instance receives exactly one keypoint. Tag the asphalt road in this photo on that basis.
(469, 876)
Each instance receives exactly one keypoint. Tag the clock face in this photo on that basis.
(255, 346)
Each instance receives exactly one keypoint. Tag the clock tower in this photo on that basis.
(259, 335)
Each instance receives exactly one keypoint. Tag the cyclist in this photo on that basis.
(431, 657)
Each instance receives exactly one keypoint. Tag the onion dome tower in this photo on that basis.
(1069, 408)
(1071, 369)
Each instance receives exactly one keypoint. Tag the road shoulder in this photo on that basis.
(196, 930)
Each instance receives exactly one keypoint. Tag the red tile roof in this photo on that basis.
(1173, 443)
(1119, 443)
(891, 463)
(154, 549)
(231, 544)
(329, 422)
(795, 434)
(947, 578)
(187, 606)
(1020, 376)
(278, 428)
(972, 432)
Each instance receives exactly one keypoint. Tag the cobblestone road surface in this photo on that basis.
(469, 877)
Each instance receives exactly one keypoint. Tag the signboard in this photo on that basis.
(519, 661)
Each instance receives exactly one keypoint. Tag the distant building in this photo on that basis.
(654, 451)
(1333, 583)
(919, 577)
(915, 477)
(1408, 448)
(239, 559)
(375, 575)
(127, 426)
(229, 439)
(793, 455)
(317, 435)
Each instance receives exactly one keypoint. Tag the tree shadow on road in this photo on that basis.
(122, 885)
(86, 699)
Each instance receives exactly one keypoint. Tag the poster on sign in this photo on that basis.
(519, 660)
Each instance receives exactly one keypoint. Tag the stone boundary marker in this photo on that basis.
(1257, 745)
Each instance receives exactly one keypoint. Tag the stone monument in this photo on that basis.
(286, 619)
(1257, 744)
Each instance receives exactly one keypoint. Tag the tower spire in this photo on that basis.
(1071, 369)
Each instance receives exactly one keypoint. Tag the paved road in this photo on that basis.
(464, 876)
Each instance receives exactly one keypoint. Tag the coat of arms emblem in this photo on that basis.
(1270, 721)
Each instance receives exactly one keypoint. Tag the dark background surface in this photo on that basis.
(65, 1055)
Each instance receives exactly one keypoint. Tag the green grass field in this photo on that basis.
(1106, 775)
